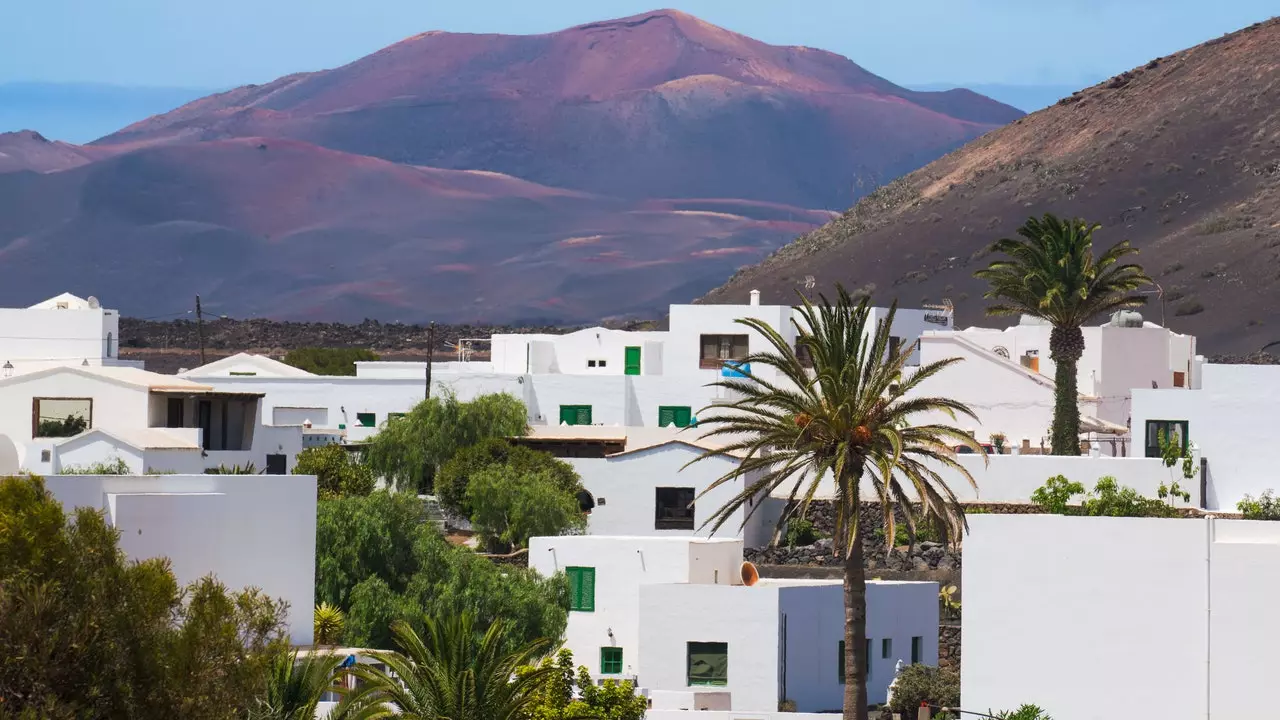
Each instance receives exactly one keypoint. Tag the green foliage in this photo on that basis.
(800, 533)
(555, 700)
(70, 426)
(295, 686)
(337, 472)
(509, 507)
(1173, 454)
(924, 684)
(245, 469)
(328, 623)
(379, 562)
(457, 668)
(454, 477)
(1265, 507)
(948, 605)
(1051, 272)
(114, 466)
(1108, 499)
(998, 441)
(1025, 711)
(410, 451)
(1055, 495)
(328, 361)
(86, 633)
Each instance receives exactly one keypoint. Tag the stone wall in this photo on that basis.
(949, 646)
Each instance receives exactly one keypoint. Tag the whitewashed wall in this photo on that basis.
(623, 565)
(248, 530)
(1231, 419)
(605, 394)
(35, 338)
(114, 405)
(1120, 617)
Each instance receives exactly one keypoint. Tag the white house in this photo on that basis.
(1100, 618)
(59, 417)
(248, 530)
(674, 614)
(642, 484)
(1007, 376)
(63, 330)
(1228, 420)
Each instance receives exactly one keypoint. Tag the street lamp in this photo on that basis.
(7, 371)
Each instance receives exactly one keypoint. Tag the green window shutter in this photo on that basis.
(575, 414)
(367, 419)
(584, 414)
(610, 660)
(632, 361)
(575, 587)
(588, 590)
(917, 649)
(840, 663)
(682, 416)
(666, 416)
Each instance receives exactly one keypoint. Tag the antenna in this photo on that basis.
(809, 282)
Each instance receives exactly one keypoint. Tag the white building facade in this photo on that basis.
(247, 530)
(63, 330)
(1099, 618)
(674, 615)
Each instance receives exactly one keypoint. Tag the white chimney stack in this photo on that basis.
(755, 297)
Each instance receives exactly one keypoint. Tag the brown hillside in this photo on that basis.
(1181, 156)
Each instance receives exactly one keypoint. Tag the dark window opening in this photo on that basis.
(277, 464)
(717, 349)
(1175, 431)
(708, 663)
(60, 417)
(674, 509)
(176, 413)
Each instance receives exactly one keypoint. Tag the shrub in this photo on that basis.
(1265, 507)
(114, 466)
(1024, 712)
(919, 684)
(1108, 499)
(70, 426)
(337, 473)
(800, 533)
(1054, 496)
(508, 507)
(454, 477)
(328, 361)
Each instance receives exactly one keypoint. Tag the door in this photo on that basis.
(276, 464)
(632, 361)
(205, 410)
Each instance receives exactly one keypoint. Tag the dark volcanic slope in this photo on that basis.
(656, 105)
(1181, 156)
(605, 170)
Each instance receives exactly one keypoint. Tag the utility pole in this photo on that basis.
(431, 351)
(200, 328)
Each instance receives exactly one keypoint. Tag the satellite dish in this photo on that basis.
(93, 303)
(1002, 351)
(750, 576)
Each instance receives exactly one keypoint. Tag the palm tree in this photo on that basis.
(850, 420)
(295, 686)
(328, 624)
(1051, 273)
(449, 674)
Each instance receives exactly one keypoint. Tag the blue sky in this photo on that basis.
(231, 42)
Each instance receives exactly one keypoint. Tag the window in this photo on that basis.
(367, 419)
(610, 660)
(111, 340)
(840, 663)
(917, 649)
(674, 415)
(277, 464)
(868, 656)
(242, 373)
(60, 417)
(673, 509)
(601, 363)
(886, 648)
(716, 349)
(895, 346)
(1179, 379)
(582, 588)
(803, 354)
(708, 663)
(575, 414)
(591, 363)
(1174, 430)
(174, 413)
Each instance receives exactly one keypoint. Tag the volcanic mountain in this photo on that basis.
(607, 169)
(1181, 156)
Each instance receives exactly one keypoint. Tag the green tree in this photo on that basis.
(361, 537)
(454, 671)
(86, 633)
(509, 507)
(328, 361)
(454, 477)
(849, 419)
(337, 472)
(1051, 273)
(410, 451)
(378, 561)
(568, 695)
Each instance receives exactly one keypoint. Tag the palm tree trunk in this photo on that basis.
(1066, 347)
(855, 629)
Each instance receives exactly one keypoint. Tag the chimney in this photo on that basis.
(755, 297)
